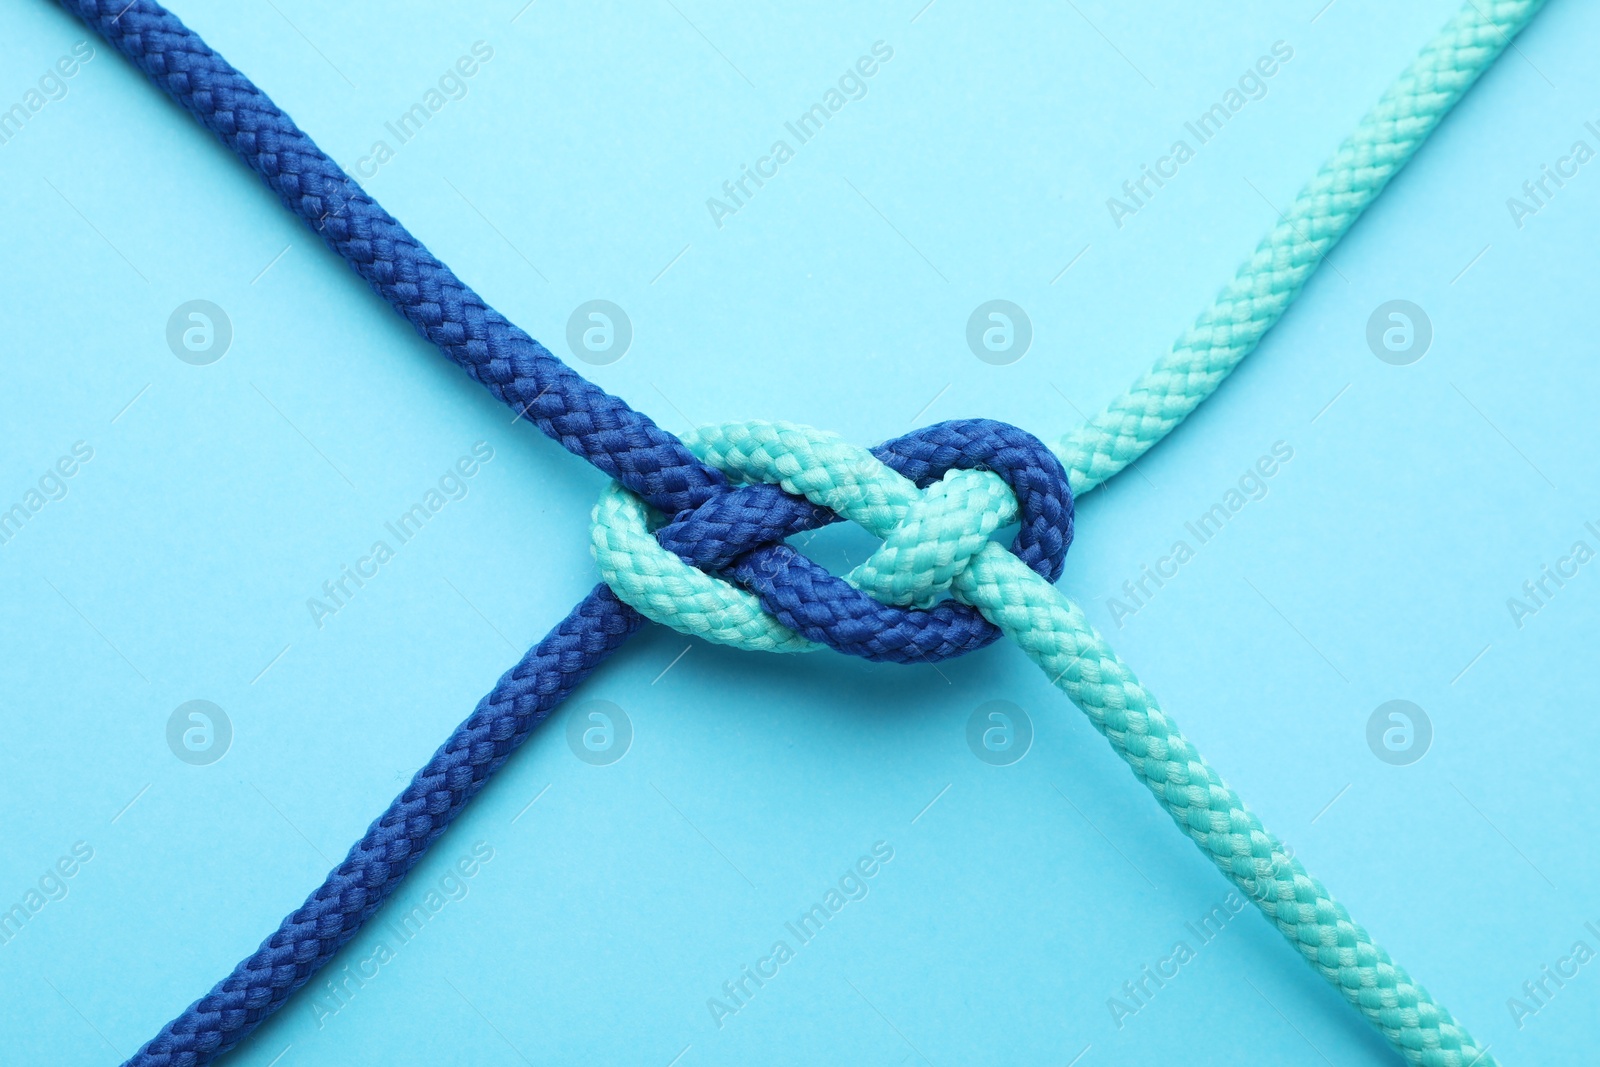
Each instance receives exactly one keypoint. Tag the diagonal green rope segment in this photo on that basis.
(1267, 283)
(1054, 633)
(951, 554)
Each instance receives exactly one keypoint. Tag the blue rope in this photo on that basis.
(713, 525)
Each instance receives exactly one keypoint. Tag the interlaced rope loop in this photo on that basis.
(934, 496)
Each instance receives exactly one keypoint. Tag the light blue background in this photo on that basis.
(178, 565)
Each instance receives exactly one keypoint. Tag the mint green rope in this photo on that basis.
(1267, 283)
(936, 541)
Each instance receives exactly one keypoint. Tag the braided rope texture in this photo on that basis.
(1056, 635)
(516, 369)
(625, 444)
(394, 843)
(1267, 283)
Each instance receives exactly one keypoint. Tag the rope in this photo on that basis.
(936, 540)
(1267, 283)
(515, 368)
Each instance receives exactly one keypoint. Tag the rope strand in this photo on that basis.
(1267, 283)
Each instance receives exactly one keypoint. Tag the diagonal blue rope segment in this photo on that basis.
(376, 865)
(518, 370)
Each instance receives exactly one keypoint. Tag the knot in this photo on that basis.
(942, 529)
(722, 571)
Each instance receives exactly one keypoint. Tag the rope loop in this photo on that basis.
(721, 570)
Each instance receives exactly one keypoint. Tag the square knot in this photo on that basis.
(722, 571)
